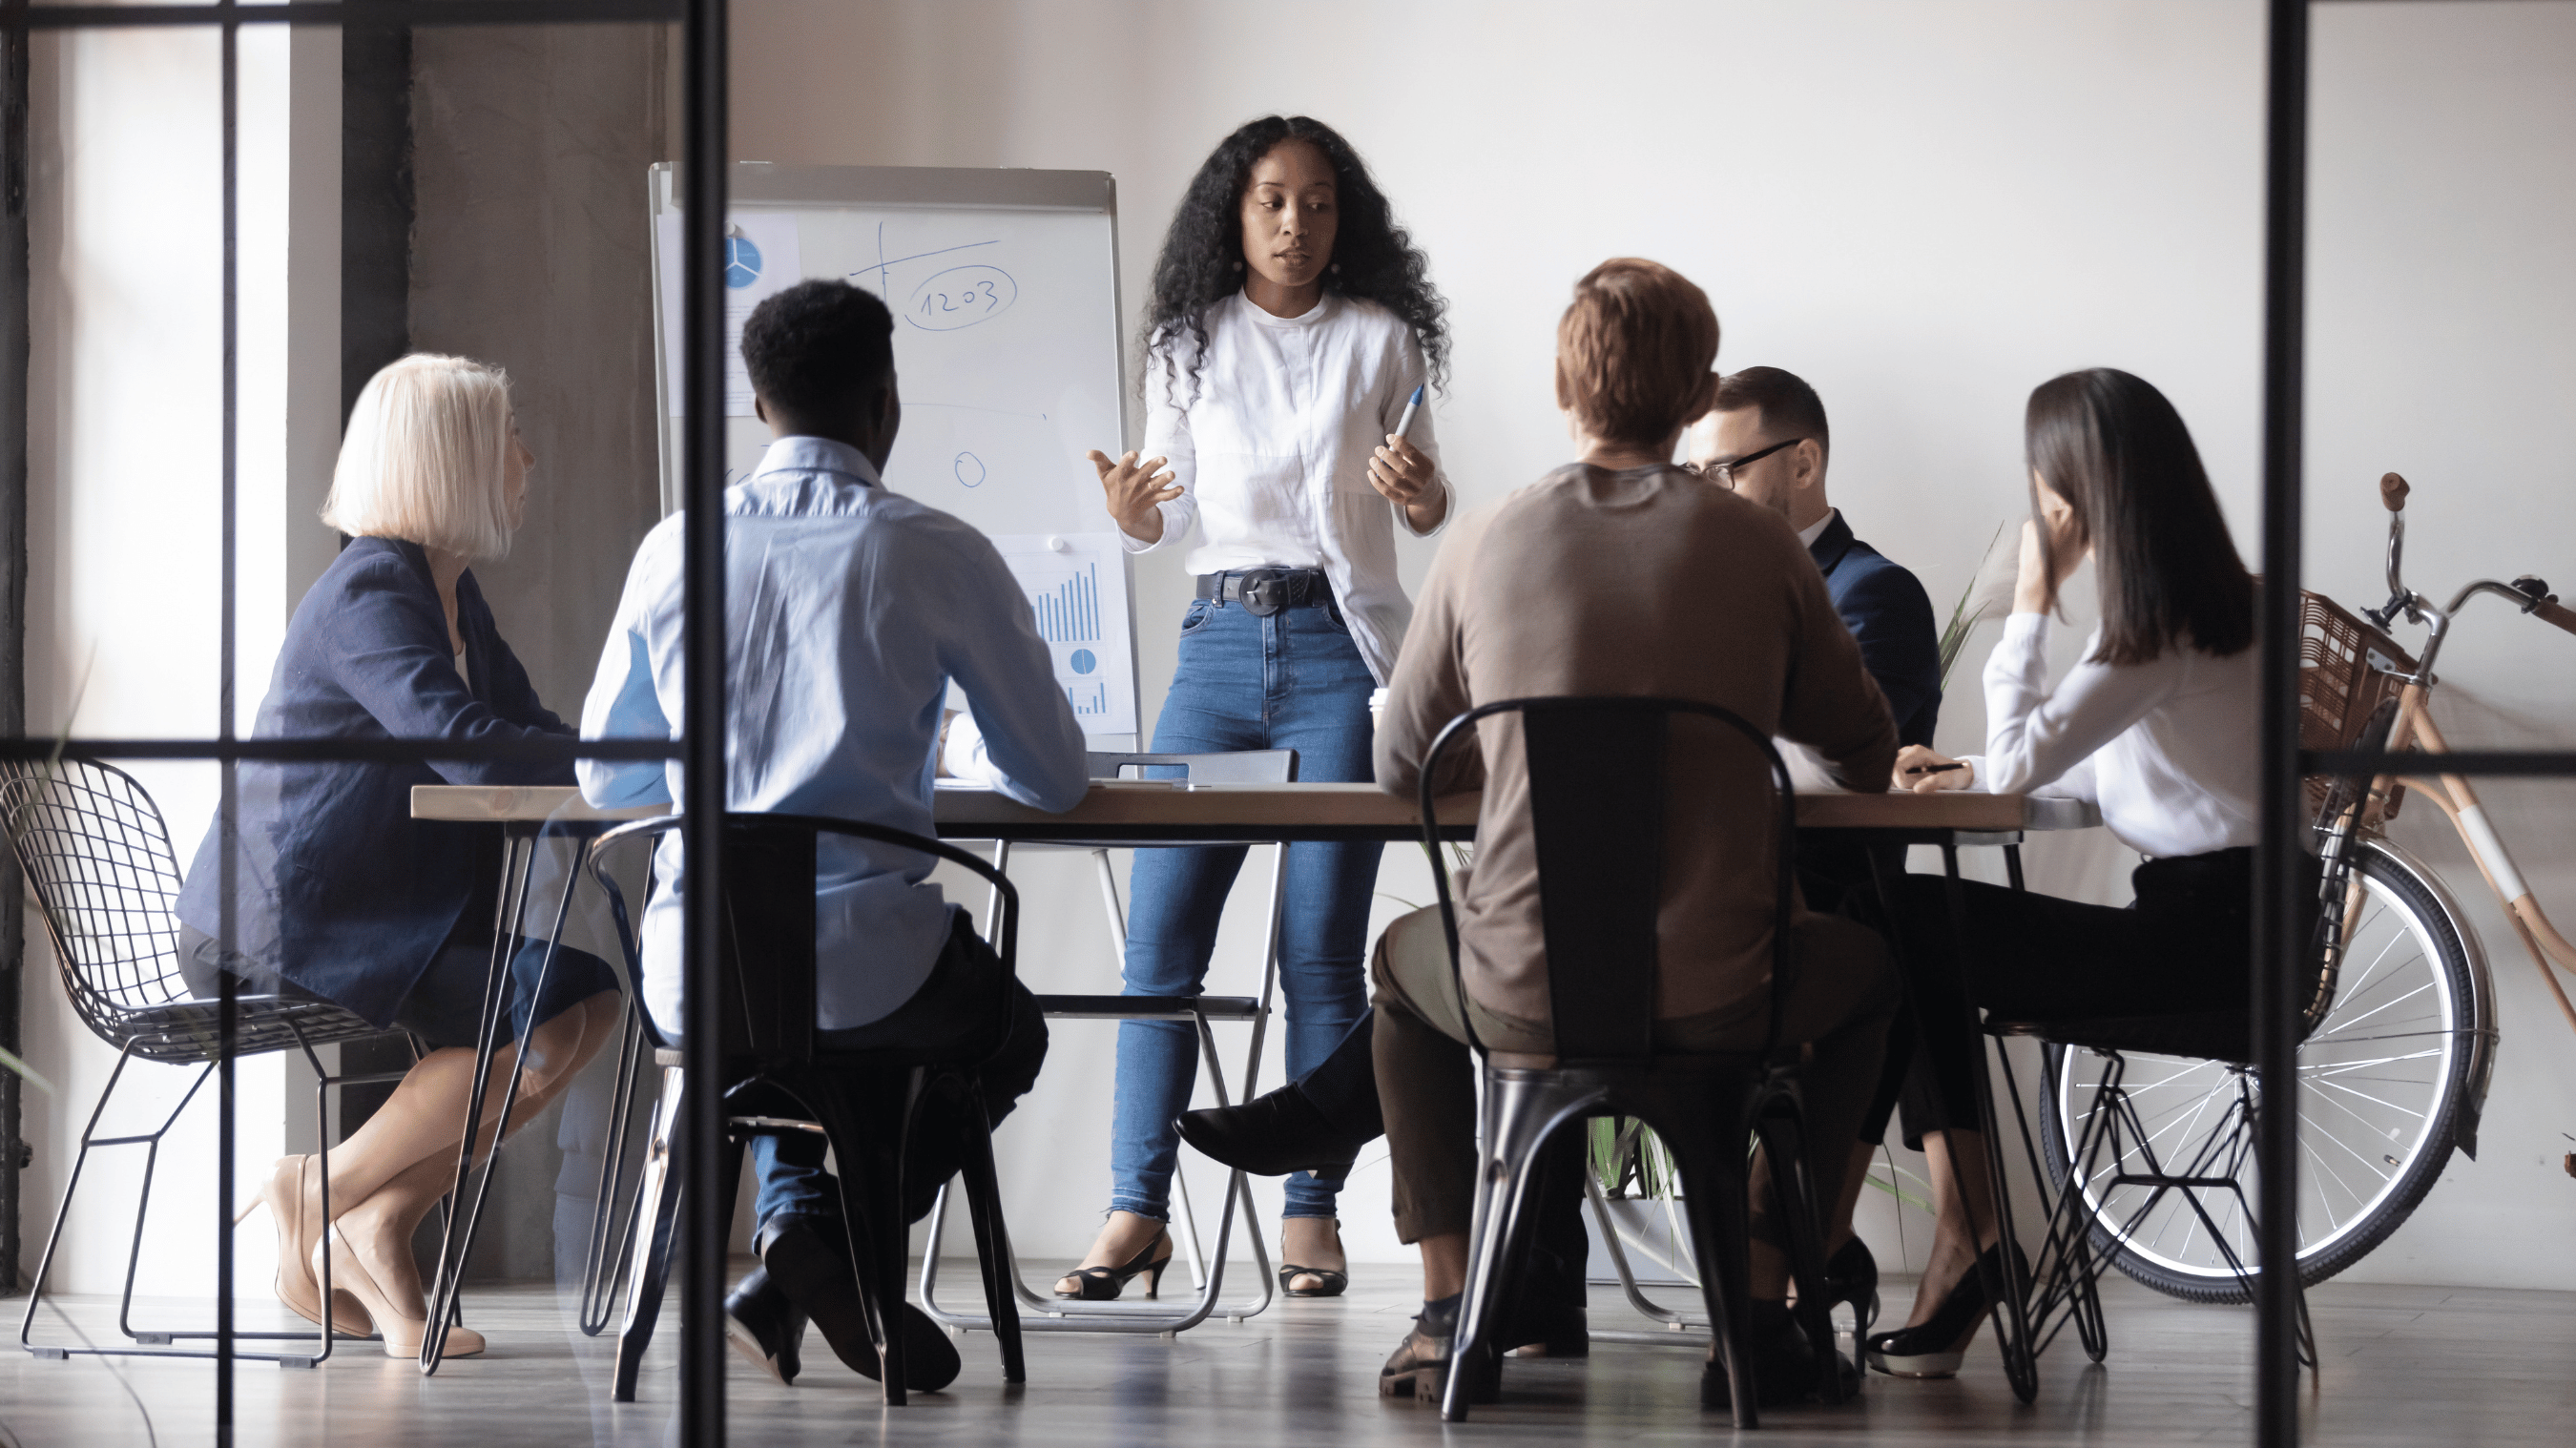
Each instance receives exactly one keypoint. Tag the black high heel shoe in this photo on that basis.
(1851, 1275)
(1103, 1284)
(1936, 1347)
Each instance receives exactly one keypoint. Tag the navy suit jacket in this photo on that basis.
(1889, 614)
(338, 888)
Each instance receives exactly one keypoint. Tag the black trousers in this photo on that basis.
(2184, 945)
(969, 1004)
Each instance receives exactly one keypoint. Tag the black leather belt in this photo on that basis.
(1265, 591)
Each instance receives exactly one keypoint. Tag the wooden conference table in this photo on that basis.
(1156, 812)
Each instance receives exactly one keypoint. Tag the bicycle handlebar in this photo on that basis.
(2392, 492)
(2557, 613)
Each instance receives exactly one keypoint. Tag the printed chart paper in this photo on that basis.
(1077, 589)
(761, 260)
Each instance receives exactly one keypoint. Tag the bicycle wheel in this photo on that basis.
(2380, 1086)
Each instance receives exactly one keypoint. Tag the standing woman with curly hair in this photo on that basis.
(1291, 321)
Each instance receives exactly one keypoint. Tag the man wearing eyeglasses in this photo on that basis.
(1766, 439)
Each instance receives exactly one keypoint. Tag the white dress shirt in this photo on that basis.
(848, 610)
(1272, 454)
(2165, 748)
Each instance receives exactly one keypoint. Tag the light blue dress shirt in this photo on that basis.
(848, 610)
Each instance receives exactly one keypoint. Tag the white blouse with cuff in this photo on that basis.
(2166, 749)
(1272, 454)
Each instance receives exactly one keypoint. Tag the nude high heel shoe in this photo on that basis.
(298, 1215)
(402, 1334)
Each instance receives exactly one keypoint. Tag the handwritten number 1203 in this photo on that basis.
(982, 294)
(961, 297)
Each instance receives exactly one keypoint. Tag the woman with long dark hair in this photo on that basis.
(1291, 323)
(2155, 725)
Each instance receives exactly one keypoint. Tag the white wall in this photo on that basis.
(1925, 209)
(125, 513)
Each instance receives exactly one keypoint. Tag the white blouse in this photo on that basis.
(2165, 748)
(1272, 454)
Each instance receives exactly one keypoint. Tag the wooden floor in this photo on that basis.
(2403, 1365)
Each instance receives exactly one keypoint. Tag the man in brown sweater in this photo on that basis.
(1623, 574)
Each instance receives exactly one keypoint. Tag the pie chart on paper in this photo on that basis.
(742, 261)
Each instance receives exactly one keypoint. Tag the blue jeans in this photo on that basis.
(1293, 680)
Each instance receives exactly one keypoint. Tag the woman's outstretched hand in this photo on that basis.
(1924, 772)
(1402, 474)
(1135, 491)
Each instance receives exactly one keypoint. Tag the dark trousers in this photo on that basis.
(2185, 945)
(969, 1003)
(1839, 1004)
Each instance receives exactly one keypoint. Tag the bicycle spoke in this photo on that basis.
(2401, 1000)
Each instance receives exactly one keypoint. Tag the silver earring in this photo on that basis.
(1238, 263)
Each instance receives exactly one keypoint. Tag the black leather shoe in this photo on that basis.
(1784, 1364)
(764, 1326)
(1272, 1134)
(817, 1279)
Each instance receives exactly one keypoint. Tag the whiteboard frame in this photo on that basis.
(766, 186)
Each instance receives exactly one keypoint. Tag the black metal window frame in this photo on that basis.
(700, 748)
(703, 26)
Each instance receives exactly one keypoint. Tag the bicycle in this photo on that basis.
(2394, 1076)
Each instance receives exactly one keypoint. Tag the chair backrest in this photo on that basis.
(766, 959)
(97, 858)
(1598, 789)
(1245, 766)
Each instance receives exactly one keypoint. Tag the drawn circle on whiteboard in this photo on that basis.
(969, 469)
(742, 261)
(960, 297)
(1084, 661)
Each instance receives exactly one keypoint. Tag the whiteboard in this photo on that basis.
(1004, 288)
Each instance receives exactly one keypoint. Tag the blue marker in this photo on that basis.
(1404, 425)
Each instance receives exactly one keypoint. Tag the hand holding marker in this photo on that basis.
(1401, 474)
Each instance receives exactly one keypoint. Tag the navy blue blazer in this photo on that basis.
(339, 889)
(1889, 614)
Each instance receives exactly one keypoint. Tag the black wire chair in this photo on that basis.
(1598, 792)
(2116, 1148)
(97, 857)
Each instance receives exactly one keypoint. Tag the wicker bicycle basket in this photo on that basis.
(2339, 685)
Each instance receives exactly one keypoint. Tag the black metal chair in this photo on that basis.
(1598, 800)
(2116, 1148)
(97, 857)
(769, 1025)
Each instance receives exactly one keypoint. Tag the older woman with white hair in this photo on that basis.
(340, 894)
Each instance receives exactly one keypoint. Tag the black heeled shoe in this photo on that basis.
(1330, 1282)
(1272, 1134)
(1935, 1347)
(1783, 1363)
(1103, 1284)
(1851, 1275)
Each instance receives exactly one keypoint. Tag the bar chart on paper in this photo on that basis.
(1076, 586)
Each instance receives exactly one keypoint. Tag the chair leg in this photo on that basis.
(1713, 1201)
(1794, 1205)
(992, 1239)
(871, 1187)
(658, 1203)
(62, 1214)
(605, 1248)
(1519, 1116)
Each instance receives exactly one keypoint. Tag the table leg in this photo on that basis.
(521, 845)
